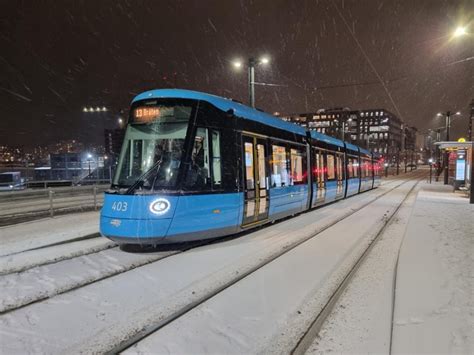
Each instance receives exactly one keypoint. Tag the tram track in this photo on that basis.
(190, 305)
(313, 330)
(51, 254)
(151, 328)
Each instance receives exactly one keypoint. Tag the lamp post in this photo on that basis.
(252, 63)
(344, 128)
(447, 114)
(430, 160)
(89, 157)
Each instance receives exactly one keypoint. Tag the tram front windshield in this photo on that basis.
(153, 146)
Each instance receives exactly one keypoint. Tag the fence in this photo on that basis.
(19, 206)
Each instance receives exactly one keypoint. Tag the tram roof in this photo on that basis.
(327, 139)
(352, 147)
(364, 151)
(225, 105)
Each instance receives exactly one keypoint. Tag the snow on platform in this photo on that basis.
(434, 301)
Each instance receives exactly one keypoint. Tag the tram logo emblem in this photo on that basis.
(116, 222)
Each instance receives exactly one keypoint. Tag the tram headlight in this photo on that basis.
(160, 206)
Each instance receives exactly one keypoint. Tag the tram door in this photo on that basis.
(256, 180)
(340, 176)
(319, 173)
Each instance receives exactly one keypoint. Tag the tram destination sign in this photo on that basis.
(146, 114)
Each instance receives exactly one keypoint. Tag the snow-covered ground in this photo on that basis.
(268, 311)
(434, 303)
(361, 321)
(93, 302)
(35, 234)
(103, 313)
(434, 284)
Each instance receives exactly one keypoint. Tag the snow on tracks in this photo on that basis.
(120, 308)
(272, 308)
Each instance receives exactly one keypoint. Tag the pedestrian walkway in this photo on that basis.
(434, 296)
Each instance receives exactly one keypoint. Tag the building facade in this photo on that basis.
(113, 139)
(378, 130)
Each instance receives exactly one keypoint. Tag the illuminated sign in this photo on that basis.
(146, 114)
(460, 169)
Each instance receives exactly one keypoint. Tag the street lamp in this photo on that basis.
(460, 31)
(89, 157)
(252, 62)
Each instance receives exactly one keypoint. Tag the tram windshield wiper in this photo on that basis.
(142, 177)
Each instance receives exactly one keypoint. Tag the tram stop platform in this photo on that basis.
(434, 302)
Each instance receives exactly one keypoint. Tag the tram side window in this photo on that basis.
(339, 159)
(216, 159)
(367, 168)
(280, 175)
(249, 173)
(318, 166)
(298, 166)
(350, 168)
(198, 175)
(355, 167)
(331, 167)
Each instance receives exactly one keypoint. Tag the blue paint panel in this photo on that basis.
(366, 184)
(225, 105)
(134, 228)
(377, 181)
(322, 137)
(288, 198)
(205, 212)
(365, 151)
(331, 187)
(353, 187)
(135, 206)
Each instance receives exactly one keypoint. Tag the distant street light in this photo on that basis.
(97, 109)
(252, 62)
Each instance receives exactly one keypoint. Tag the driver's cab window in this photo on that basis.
(198, 175)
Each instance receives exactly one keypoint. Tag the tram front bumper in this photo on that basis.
(143, 231)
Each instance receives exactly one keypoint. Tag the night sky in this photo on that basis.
(58, 56)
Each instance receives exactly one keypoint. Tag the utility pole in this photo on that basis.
(446, 154)
(471, 198)
(403, 148)
(469, 132)
(251, 66)
(368, 134)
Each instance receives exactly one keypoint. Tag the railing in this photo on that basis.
(19, 206)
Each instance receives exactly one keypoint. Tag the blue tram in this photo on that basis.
(195, 166)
